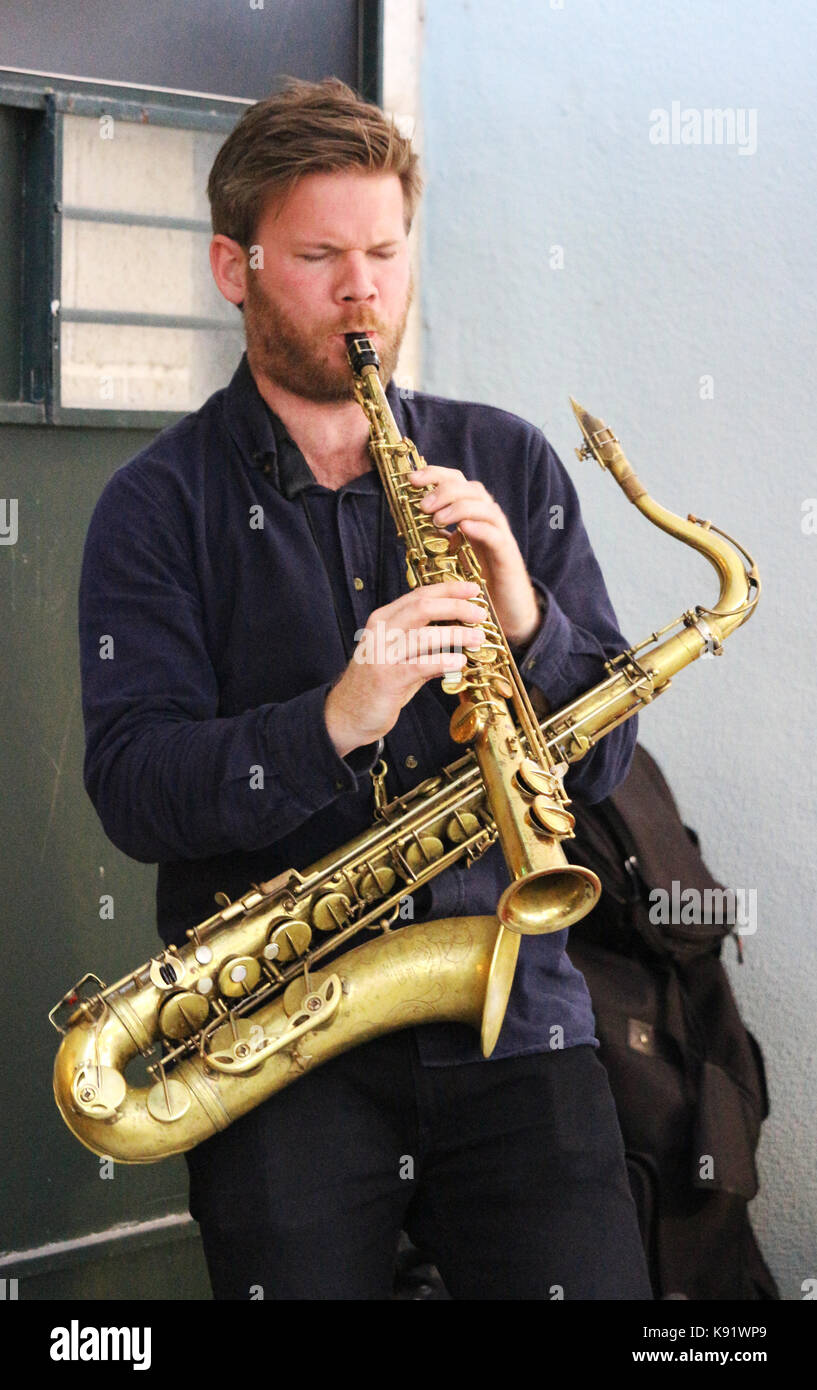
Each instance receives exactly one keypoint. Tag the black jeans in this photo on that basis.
(509, 1175)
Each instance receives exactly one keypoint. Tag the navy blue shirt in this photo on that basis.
(220, 593)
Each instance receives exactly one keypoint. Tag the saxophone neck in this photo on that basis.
(739, 581)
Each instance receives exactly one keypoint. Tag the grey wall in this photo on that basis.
(680, 261)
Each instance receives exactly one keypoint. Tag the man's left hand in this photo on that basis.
(457, 501)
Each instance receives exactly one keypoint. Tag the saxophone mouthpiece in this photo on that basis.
(599, 441)
(601, 444)
(361, 352)
(587, 423)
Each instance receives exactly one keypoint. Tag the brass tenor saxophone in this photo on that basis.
(242, 1011)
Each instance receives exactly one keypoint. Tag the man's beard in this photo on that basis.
(299, 360)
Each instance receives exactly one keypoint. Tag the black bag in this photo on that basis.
(687, 1076)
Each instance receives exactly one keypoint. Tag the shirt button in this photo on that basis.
(358, 583)
(411, 761)
(338, 785)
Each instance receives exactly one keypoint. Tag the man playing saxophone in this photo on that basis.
(240, 563)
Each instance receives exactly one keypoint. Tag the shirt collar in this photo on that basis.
(266, 445)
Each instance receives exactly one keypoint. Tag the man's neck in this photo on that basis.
(333, 436)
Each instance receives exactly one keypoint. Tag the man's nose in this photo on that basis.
(356, 280)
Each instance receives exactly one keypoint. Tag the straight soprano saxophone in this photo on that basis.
(241, 1011)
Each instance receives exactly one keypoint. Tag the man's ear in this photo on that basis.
(228, 262)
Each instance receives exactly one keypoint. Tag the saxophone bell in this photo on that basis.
(546, 892)
(548, 900)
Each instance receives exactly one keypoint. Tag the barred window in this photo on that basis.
(119, 320)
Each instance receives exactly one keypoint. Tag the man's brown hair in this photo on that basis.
(305, 128)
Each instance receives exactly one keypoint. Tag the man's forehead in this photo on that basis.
(331, 207)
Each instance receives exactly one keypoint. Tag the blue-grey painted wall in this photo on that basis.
(680, 262)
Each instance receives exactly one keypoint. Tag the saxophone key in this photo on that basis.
(331, 911)
(535, 779)
(293, 997)
(99, 1091)
(462, 826)
(230, 1046)
(288, 940)
(169, 1101)
(469, 721)
(501, 686)
(165, 973)
(308, 1007)
(452, 683)
(238, 976)
(376, 882)
(484, 654)
(550, 818)
(183, 1014)
(422, 851)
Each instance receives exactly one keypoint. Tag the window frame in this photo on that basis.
(41, 316)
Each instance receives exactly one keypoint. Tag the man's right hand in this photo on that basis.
(398, 652)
